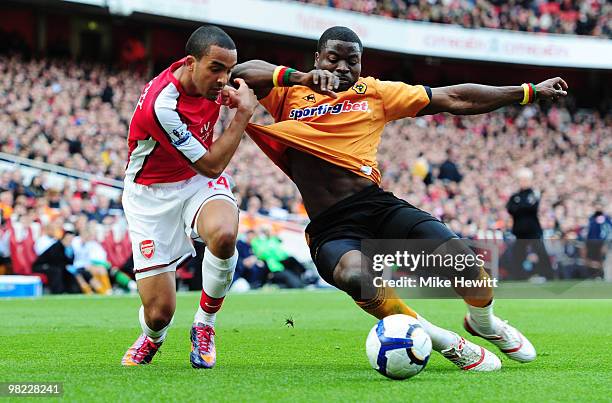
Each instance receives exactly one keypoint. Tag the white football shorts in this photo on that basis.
(161, 220)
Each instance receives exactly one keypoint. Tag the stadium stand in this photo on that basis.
(587, 17)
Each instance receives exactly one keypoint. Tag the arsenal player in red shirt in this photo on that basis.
(176, 192)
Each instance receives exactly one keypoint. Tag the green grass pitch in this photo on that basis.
(80, 341)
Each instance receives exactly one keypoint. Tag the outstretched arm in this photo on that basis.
(472, 99)
(258, 76)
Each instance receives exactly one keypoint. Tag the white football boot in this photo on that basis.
(507, 338)
(471, 357)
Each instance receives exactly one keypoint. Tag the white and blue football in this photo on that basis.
(398, 347)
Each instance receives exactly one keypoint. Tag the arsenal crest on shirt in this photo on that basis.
(147, 248)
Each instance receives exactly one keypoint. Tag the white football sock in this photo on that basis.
(217, 274)
(204, 317)
(441, 339)
(483, 318)
(156, 336)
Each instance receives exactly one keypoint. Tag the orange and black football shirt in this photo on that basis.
(345, 131)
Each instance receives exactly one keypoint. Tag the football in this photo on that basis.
(398, 347)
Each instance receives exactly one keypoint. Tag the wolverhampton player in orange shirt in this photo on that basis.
(326, 142)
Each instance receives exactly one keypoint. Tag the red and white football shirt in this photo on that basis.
(169, 131)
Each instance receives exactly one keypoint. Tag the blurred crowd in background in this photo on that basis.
(460, 169)
(577, 17)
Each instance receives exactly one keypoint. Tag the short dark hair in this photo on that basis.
(338, 34)
(203, 38)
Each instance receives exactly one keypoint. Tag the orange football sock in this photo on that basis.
(385, 303)
(478, 297)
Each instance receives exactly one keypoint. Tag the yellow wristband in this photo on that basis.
(275, 75)
(525, 100)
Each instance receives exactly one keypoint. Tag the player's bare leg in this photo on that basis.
(382, 302)
(158, 296)
(217, 225)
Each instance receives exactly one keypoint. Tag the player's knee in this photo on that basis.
(160, 315)
(348, 274)
(463, 253)
(222, 241)
(348, 279)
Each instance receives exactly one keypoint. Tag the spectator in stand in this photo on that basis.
(97, 209)
(285, 270)
(523, 207)
(249, 266)
(5, 249)
(422, 169)
(54, 254)
(253, 206)
(36, 188)
(108, 92)
(599, 232)
(6, 204)
(90, 259)
(448, 170)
